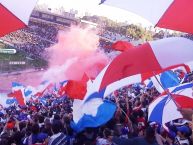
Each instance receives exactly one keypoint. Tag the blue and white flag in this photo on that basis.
(92, 111)
(17, 86)
(165, 80)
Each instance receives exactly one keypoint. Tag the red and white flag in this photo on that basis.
(14, 14)
(170, 14)
(141, 62)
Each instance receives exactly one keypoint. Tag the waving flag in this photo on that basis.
(91, 114)
(92, 111)
(62, 89)
(85, 78)
(137, 64)
(169, 79)
(6, 101)
(76, 89)
(17, 86)
(28, 91)
(14, 15)
(11, 101)
(18, 93)
(122, 45)
(42, 88)
(179, 97)
(165, 80)
(43, 101)
(148, 83)
(18, 96)
(170, 14)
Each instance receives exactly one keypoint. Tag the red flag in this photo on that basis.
(85, 78)
(41, 92)
(19, 97)
(76, 89)
(122, 45)
(62, 90)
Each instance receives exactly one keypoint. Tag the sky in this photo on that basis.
(92, 7)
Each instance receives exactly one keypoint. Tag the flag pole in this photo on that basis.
(169, 94)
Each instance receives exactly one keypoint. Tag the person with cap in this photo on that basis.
(182, 138)
(187, 114)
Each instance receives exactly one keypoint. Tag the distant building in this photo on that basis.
(67, 19)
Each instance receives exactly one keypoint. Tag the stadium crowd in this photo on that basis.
(114, 36)
(49, 123)
(40, 35)
(189, 36)
(34, 39)
(44, 30)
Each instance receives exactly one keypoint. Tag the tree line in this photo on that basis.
(133, 31)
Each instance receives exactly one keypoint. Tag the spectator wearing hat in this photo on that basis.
(182, 138)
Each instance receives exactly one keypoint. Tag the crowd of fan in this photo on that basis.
(114, 36)
(105, 45)
(33, 49)
(34, 39)
(19, 36)
(45, 31)
(189, 36)
(50, 123)
(39, 35)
